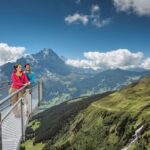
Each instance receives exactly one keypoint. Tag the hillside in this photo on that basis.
(101, 122)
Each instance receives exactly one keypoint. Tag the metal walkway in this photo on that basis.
(14, 118)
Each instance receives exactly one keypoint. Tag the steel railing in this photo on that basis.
(4, 89)
(14, 117)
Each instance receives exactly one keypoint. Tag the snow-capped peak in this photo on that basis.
(30, 58)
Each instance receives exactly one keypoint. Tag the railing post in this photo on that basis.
(31, 103)
(39, 93)
(42, 90)
(28, 101)
(22, 121)
(0, 131)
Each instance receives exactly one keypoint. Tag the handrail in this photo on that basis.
(25, 105)
(1, 88)
(5, 107)
(5, 82)
(10, 110)
(11, 95)
(12, 107)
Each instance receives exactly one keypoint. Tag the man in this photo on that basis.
(30, 75)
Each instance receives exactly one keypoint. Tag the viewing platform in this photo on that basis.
(12, 125)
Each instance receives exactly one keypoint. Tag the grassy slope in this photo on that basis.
(44, 126)
(108, 123)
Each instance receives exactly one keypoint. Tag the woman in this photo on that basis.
(19, 79)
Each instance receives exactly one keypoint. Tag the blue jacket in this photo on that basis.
(30, 76)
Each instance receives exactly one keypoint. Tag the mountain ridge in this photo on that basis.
(63, 82)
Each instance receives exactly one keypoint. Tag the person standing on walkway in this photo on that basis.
(19, 79)
(30, 74)
(31, 77)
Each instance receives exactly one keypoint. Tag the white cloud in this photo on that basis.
(94, 18)
(100, 23)
(82, 64)
(77, 18)
(9, 53)
(30, 59)
(95, 8)
(140, 7)
(121, 58)
(146, 64)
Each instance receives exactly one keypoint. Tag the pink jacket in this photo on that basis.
(18, 82)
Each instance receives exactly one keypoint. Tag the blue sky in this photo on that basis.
(72, 27)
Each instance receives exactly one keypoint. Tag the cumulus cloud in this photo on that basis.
(140, 7)
(121, 58)
(146, 64)
(75, 18)
(94, 17)
(95, 8)
(10, 53)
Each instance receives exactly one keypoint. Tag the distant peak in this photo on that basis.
(118, 69)
(47, 50)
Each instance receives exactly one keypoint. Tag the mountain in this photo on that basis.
(45, 60)
(110, 80)
(48, 60)
(79, 83)
(63, 82)
(116, 120)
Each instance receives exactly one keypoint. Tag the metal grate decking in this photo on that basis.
(14, 118)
